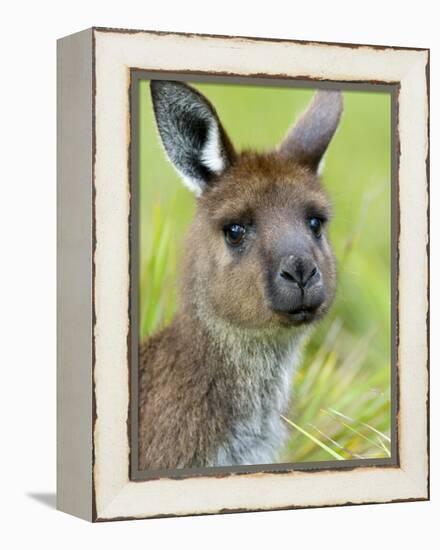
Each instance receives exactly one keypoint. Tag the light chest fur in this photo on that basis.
(258, 433)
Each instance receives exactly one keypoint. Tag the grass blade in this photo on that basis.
(323, 446)
(358, 433)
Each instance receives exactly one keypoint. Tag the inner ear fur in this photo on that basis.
(191, 133)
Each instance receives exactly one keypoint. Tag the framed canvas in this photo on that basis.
(243, 284)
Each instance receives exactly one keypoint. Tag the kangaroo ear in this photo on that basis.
(191, 133)
(308, 140)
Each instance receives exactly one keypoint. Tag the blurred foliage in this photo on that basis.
(341, 406)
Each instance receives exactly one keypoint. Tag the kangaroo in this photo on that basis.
(258, 272)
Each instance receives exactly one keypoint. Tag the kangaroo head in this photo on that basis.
(257, 253)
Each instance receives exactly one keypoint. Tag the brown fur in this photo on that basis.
(218, 366)
(185, 390)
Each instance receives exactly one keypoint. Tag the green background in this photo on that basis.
(341, 406)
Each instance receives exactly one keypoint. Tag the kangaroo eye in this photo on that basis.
(234, 233)
(315, 225)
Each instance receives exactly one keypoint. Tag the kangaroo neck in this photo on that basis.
(244, 350)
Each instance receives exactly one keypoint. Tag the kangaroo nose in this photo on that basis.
(298, 270)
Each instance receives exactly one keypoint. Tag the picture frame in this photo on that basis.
(97, 472)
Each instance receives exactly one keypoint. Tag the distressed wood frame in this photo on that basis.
(94, 331)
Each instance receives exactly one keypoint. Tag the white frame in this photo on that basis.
(94, 79)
